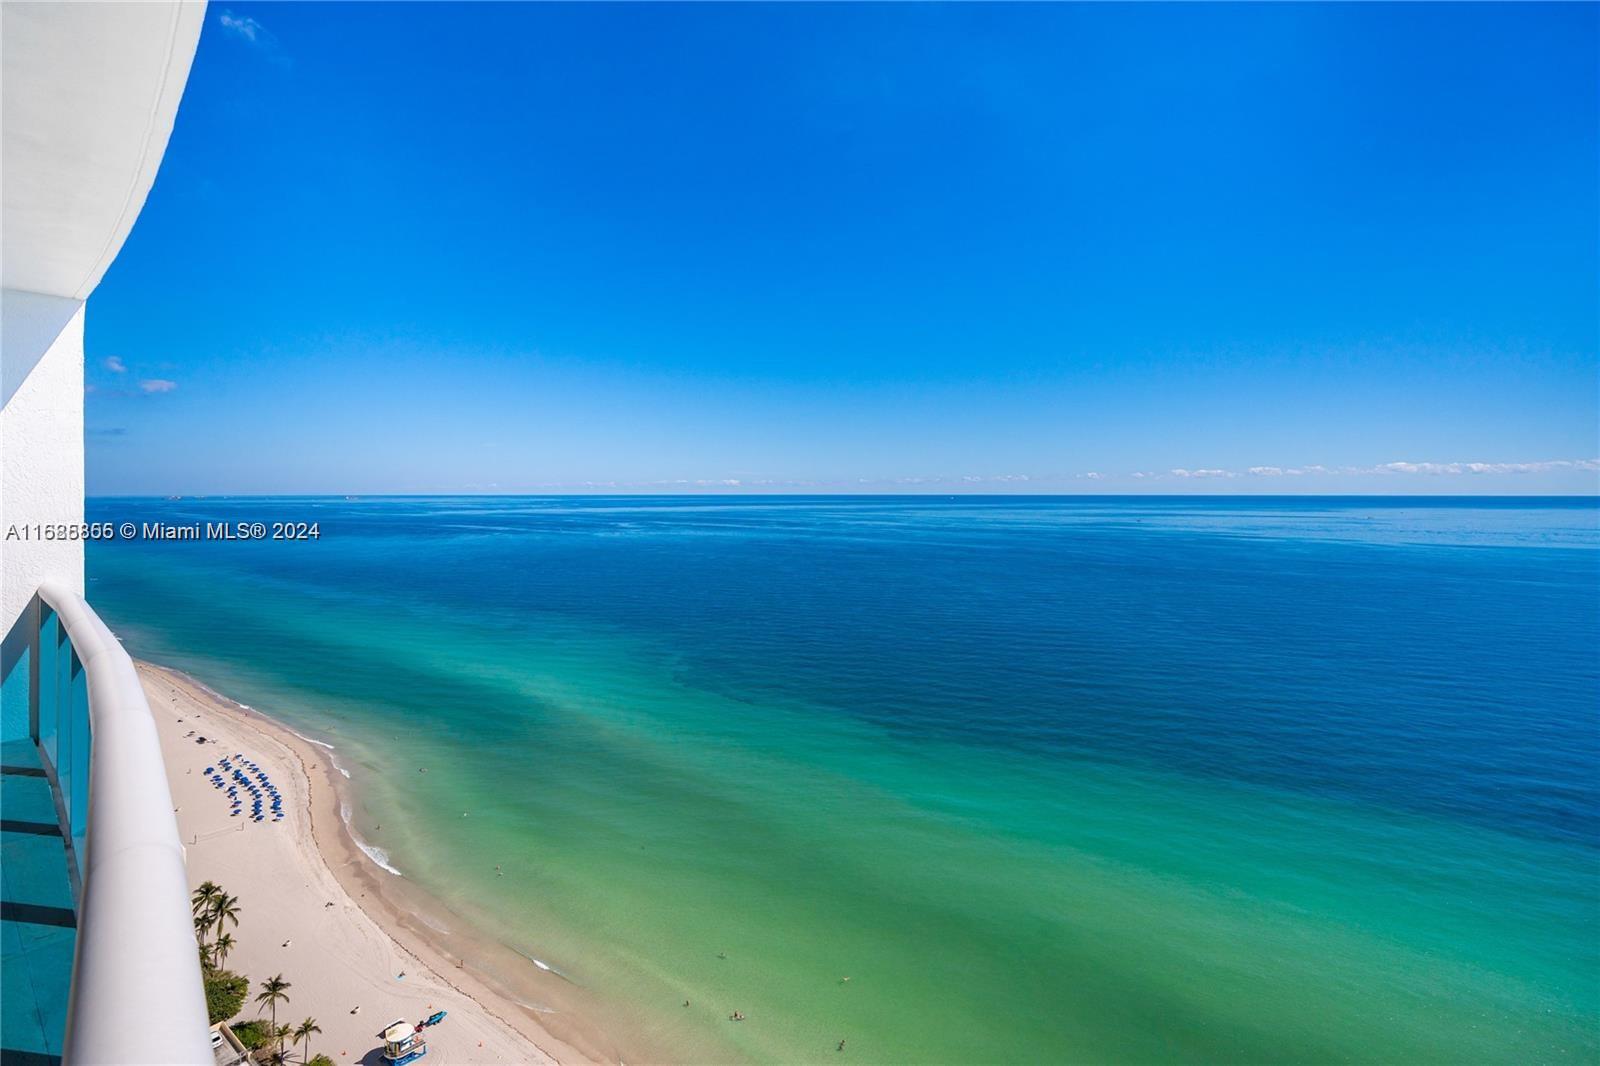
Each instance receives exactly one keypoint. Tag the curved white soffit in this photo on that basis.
(90, 94)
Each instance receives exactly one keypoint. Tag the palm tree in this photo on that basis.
(201, 900)
(302, 1035)
(221, 948)
(224, 909)
(283, 1033)
(274, 989)
(200, 904)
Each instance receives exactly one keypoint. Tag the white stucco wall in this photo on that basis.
(41, 444)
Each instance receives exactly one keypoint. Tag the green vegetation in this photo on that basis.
(319, 1059)
(252, 1035)
(225, 993)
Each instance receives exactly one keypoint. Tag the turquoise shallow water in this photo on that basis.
(1048, 780)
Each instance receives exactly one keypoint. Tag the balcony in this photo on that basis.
(99, 953)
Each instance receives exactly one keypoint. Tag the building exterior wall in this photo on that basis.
(41, 448)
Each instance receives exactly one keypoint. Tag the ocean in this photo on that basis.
(953, 779)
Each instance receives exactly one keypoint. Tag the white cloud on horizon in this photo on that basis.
(1433, 469)
(154, 385)
(114, 364)
(969, 482)
(1180, 472)
(1488, 468)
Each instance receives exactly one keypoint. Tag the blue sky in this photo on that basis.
(939, 248)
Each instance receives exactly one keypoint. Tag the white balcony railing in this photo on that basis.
(136, 987)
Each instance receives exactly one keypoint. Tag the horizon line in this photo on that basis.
(851, 495)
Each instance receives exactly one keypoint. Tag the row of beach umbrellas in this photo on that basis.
(249, 776)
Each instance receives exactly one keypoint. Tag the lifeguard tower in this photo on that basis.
(403, 1042)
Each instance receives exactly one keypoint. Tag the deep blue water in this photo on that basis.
(1425, 654)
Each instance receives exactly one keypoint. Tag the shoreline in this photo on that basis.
(491, 978)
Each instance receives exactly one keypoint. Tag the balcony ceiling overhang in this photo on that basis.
(90, 92)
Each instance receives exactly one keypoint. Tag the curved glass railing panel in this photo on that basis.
(135, 969)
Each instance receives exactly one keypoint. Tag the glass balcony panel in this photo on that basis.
(50, 637)
(77, 795)
(63, 694)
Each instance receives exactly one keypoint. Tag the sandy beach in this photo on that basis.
(310, 904)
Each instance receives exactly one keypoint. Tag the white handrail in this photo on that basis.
(136, 989)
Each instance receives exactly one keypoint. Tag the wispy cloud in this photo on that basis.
(748, 483)
(1398, 468)
(244, 26)
(1292, 471)
(247, 29)
(1453, 469)
(114, 364)
(152, 385)
(109, 431)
